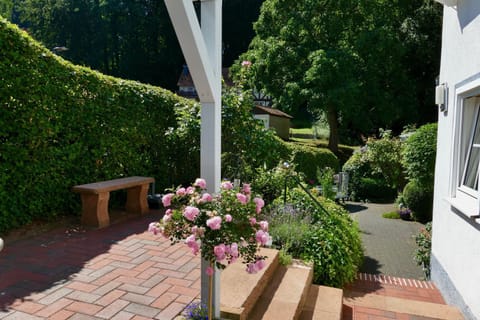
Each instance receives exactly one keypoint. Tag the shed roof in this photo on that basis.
(271, 111)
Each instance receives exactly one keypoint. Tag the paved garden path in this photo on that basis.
(118, 272)
(389, 243)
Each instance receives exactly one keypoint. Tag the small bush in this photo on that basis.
(391, 215)
(423, 252)
(332, 241)
(308, 159)
(418, 154)
(419, 199)
(271, 183)
(374, 190)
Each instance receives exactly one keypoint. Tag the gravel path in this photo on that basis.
(389, 244)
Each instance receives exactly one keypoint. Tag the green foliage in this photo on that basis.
(63, 125)
(374, 189)
(419, 199)
(391, 215)
(270, 183)
(308, 159)
(376, 171)
(384, 156)
(325, 177)
(418, 155)
(422, 254)
(332, 241)
(323, 56)
(246, 144)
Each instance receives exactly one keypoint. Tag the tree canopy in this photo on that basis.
(132, 39)
(349, 60)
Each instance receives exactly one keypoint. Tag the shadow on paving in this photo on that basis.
(43, 262)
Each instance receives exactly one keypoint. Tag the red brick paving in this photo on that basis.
(388, 286)
(119, 272)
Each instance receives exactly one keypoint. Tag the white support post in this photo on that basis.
(202, 48)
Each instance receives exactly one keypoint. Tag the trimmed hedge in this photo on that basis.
(62, 125)
(308, 159)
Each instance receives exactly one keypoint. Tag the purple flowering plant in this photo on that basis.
(221, 227)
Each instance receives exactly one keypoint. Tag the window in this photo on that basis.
(466, 197)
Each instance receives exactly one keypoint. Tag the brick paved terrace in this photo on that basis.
(119, 272)
(124, 272)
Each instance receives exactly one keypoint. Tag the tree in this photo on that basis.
(345, 59)
(6, 7)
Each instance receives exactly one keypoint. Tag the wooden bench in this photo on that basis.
(95, 198)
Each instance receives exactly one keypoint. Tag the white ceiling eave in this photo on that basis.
(448, 3)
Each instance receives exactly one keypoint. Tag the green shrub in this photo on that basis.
(424, 246)
(374, 190)
(332, 241)
(419, 199)
(385, 158)
(418, 154)
(325, 177)
(309, 159)
(270, 183)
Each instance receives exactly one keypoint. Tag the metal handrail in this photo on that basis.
(299, 183)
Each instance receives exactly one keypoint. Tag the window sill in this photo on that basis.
(467, 208)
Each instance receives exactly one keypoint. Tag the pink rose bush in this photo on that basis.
(222, 227)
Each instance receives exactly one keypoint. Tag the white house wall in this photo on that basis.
(456, 240)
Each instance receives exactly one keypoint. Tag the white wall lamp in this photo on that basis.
(441, 96)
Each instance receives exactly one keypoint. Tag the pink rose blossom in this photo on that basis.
(214, 223)
(190, 190)
(260, 264)
(191, 242)
(246, 63)
(227, 185)
(263, 225)
(167, 218)
(228, 218)
(169, 212)
(259, 204)
(242, 198)
(154, 228)
(190, 213)
(253, 221)
(246, 188)
(167, 199)
(209, 271)
(201, 183)
(234, 250)
(181, 192)
(261, 237)
(219, 252)
(206, 197)
(252, 268)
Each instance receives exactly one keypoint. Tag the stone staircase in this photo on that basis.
(279, 292)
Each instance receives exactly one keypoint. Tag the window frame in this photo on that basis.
(467, 102)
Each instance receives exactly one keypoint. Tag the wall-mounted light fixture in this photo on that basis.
(441, 96)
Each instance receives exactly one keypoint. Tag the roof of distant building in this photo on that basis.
(270, 111)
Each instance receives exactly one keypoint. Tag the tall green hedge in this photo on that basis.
(62, 125)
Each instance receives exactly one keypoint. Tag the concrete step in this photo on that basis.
(323, 303)
(400, 305)
(239, 290)
(285, 295)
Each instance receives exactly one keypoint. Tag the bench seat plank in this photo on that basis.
(95, 198)
(112, 185)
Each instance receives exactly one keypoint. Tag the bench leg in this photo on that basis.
(137, 199)
(95, 209)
